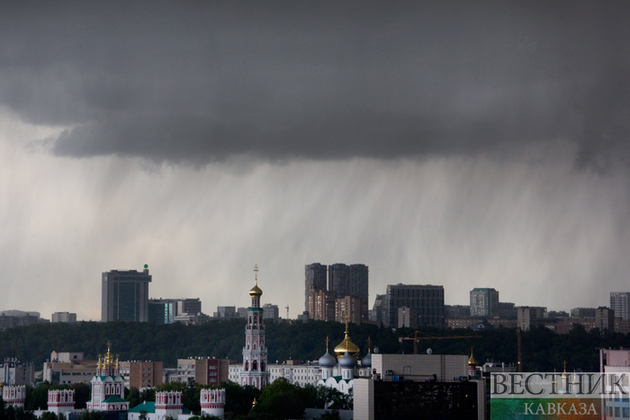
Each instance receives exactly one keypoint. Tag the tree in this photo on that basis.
(133, 397)
(82, 394)
(238, 399)
(281, 400)
(91, 415)
(3, 414)
(47, 415)
(330, 415)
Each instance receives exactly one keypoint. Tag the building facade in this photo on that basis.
(315, 276)
(145, 374)
(125, 295)
(321, 305)
(271, 311)
(428, 300)
(484, 302)
(620, 303)
(63, 317)
(14, 372)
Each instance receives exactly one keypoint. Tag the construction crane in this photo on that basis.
(417, 338)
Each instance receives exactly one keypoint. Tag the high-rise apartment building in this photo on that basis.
(321, 305)
(359, 285)
(484, 302)
(349, 309)
(315, 277)
(125, 295)
(339, 279)
(620, 303)
(63, 317)
(427, 299)
(343, 281)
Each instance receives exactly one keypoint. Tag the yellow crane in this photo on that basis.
(417, 338)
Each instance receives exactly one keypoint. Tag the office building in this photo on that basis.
(226, 312)
(162, 311)
(427, 299)
(407, 317)
(189, 306)
(620, 303)
(63, 317)
(315, 278)
(484, 302)
(125, 295)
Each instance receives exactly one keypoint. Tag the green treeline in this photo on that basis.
(542, 349)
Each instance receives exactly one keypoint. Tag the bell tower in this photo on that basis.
(255, 371)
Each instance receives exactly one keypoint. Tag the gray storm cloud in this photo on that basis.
(203, 81)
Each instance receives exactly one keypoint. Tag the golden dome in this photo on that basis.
(255, 291)
(471, 359)
(346, 346)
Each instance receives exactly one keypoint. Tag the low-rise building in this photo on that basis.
(68, 368)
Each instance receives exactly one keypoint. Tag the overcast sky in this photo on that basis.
(466, 144)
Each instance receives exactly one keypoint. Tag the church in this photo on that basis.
(108, 385)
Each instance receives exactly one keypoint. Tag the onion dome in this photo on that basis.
(471, 360)
(366, 362)
(346, 346)
(255, 291)
(347, 361)
(327, 360)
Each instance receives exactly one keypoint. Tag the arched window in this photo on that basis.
(254, 365)
(262, 366)
(246, 366)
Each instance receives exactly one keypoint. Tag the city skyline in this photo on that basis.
(483, 144)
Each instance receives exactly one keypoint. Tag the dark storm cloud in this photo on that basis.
(202, 81)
